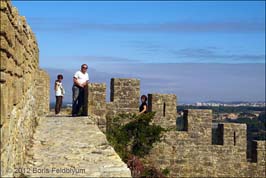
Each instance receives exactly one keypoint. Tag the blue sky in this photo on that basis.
(156, 41)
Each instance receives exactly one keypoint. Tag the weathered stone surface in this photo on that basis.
(124, 96)
(97, 99)
(73, 143)
(23, 99)
(190, 153)
(3, 61)
(165, 107)
(3, 5)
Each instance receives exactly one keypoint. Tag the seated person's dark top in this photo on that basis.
(142, 107)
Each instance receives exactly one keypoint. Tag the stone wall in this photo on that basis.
(124, 96)
(190, 153)
(96, 103)
(233, 134)
(257, 168)
(24, 87)
(195, 151)
(43, 92)
(199, 125)
(165, 107)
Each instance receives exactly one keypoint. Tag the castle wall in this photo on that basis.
(24, 87)
(165, 107)
(191, 153)
(187, 159)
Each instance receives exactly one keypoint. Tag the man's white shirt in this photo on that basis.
(81, 78)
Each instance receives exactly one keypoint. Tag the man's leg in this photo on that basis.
(80, 99)
(75, 92)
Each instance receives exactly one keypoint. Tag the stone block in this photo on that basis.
(5, 47)
(6, 29)
(3, 61)
(18, 87)
(3, 103)
(3, 6)
(19, 57)
(2, 77)
(11, 66)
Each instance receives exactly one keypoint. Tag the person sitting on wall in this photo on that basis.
(143, 107)
(59, 93)
(80, 81)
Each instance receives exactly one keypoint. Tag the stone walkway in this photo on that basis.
(72, 147)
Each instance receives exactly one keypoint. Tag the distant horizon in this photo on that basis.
(190, 83)
(221, 102)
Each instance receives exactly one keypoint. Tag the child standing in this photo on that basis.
(59, 93)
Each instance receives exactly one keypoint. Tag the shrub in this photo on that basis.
(132, 136)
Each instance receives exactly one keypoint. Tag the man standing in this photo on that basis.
(81, 80)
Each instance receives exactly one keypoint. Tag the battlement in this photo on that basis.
(125, 94)
(233, 134)
(165, 107)
(188, 152)
(199, 125)
(96, 97)
(124, 98)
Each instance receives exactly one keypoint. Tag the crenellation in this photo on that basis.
(165, 107)
(199, 125)
(190, 152)
(125, 94)
(234, 134)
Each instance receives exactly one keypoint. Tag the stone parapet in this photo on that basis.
(96, 103)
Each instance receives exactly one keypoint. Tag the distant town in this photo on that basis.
(229, 110)
(230, 104)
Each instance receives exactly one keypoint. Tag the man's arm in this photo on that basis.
(75, 80)
(85, 83)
